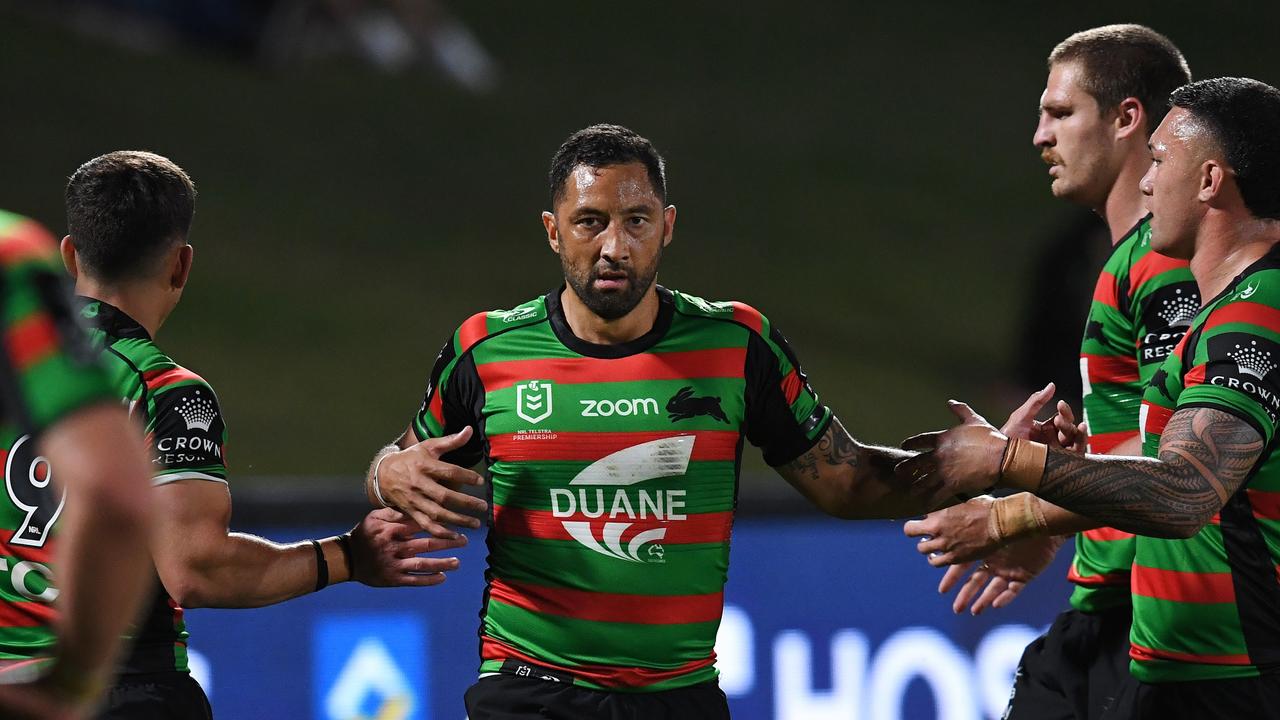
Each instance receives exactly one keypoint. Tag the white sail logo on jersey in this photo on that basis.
(601, 491)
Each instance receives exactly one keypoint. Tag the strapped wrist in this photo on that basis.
(1022, 465)
(1015, 517)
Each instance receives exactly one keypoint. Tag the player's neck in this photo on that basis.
(1124, 205)
(142, 304)
(1225, 245)
(592, 328)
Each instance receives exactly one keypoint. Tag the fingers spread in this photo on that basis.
(953, 576)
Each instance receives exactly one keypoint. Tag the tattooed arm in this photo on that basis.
(1205, 456)
(847, 479)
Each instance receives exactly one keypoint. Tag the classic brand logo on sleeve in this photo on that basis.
(603, 490)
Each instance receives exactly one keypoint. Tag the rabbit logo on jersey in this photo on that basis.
(604, 494)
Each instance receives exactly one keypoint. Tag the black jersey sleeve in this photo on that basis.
(784, 417)
(454, 399)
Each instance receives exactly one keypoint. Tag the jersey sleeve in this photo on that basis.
(1108, 364)
(784, 417)
(1234, 366)
(50, 369)
(186, 428)
(453, 400)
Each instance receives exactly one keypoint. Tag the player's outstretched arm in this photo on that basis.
(202, 564)
(848, 479)
(410, 477)
(1205, 455)
(101, 553)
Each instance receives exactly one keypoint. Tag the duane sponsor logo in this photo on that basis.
(605, 494)
(624, 407)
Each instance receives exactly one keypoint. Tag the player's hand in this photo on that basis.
(1068, 433)
(1022, 422)
(424, 487)
(964, 460)
(998, 581)
(957, 534)
(385, 552)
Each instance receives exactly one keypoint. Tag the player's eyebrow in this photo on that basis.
(638, 210)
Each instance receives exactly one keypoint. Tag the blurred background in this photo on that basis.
(371, 173)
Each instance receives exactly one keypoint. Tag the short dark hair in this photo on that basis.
(601, 146)
(1123, 61)
(1243, 116)
(125, 209)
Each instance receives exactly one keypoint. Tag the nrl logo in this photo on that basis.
(612, 477)
(533, 400)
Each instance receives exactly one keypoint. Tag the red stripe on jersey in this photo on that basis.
(544, 525)
(1115, 578)
(605, 675)
(1107, 534)
(24, 241)
(169, 376)
(43, 555)
(472, 331)
(1187, 587)
(589, 447)
(1266, 504)
(436, 407)
(1105, 291)
(1112, 368)
(1194, 376)
(609, 607)
(687, 365)
(791, 386)
(1244, 312)
(31, 339)
(1106, 442)
(21, 613)
(748, 316)
(1151, 265)
(1137, 652)
(1157, 418)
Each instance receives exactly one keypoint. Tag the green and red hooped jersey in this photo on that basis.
(185, 430)
(613, 478)
(1141, 307)
(48, 370)
(1208, 607)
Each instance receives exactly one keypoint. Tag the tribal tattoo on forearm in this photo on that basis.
(1205, 456)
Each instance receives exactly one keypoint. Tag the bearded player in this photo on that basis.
(1205, 641)
(611, 414)
(1107, 90)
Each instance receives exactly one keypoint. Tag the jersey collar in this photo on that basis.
(560, 326)
(110, 319)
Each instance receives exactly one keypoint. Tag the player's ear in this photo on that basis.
(1213, 180)
(553, 234)
(180, 266)
(1131, 118)
(668, 224)
(69, 259)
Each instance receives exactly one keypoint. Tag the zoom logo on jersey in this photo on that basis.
(602, 510)
(533, 400)
(623, 407)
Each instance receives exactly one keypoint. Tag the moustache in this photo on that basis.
(1050, 158)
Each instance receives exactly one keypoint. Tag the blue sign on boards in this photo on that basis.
(824, 620)
(369, 665)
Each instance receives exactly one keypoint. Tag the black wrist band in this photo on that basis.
(344, 542)
(322, 567)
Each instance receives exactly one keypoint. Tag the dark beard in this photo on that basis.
(611, 305)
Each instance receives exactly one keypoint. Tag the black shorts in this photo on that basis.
(507, 697)
(156, 696)
(1075, 670)
(1256, 697)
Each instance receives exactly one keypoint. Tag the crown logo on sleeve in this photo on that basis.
(1252, 360)
(197, 412)
(1180, 309)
